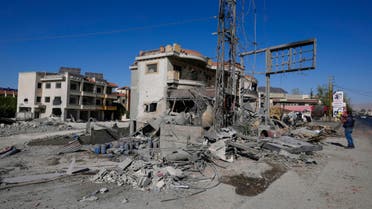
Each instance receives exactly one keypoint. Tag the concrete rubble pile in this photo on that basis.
(181, 157)
(34, 126)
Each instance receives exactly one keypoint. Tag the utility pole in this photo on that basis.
(224, 107)
(330, 97)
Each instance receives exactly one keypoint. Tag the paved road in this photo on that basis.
(341, 179)
(344, 181)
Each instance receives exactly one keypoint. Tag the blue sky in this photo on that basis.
(45, 35)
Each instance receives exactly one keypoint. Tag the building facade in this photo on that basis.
(66, 94)
(168, 79)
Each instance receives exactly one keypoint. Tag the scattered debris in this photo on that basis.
(7, 151)
(88, 198)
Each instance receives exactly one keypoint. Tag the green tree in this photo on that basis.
(322, 94)
(8, 107)
(120, 111)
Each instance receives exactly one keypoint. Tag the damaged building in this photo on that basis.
(66, 94)
(176, 80)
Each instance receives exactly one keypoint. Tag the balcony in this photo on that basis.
(105, 107)
(73, 106)
(88, 94)
(184, 84)
(110, 96)
(75, 92)
(88, 107)
(53, 78)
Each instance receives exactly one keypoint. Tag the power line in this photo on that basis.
(79, 35)
(356, 91)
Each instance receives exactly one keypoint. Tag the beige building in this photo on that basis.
(66, 94)
(166, 80)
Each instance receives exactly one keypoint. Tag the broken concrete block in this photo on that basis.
(291, 145)
(111, 177)
(124, 201)
(89, 198)
(174, 172)
(103, 190)
(178, 155)
(144, 181)
(175, 137)
(124, 164)
(218, 150)
(136, 165)
(160, 184)
(289, 155)
(101, 173)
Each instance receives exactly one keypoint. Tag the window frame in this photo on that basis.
(152, 64)
(151, 107)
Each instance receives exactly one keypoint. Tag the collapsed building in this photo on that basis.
(175, 80)
(66, 94)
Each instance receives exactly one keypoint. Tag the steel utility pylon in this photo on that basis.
(226, 79)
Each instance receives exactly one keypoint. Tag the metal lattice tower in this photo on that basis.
(224, 107)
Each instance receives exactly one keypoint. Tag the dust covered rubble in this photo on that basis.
(146, 170)
(35, 126)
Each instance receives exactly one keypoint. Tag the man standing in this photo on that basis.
(348, 124)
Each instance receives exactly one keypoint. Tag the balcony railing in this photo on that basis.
(105, 107)
(111, 96)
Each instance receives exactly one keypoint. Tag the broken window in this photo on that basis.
(38, 99)
(47, 85)
(47, 99)
(57, 101)
(152, 68)
(181, 105)
(25, 100)
(150, 107)
(99, 90)
(57, 111)
(39, 85)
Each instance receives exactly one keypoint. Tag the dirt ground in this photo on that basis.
(340, 179)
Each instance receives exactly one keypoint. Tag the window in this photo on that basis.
(47, 85)
(73, 100)
(47, 99)
(57, 101)
(73, 86)
(177, 68)
(25, 100)
(39, 85)
(150, 107)
(99, 90)
(98, 102)
(152, 68)
(57, 111)
(38, 99)
(58, 85)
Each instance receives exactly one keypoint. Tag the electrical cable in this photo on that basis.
(79, 35)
